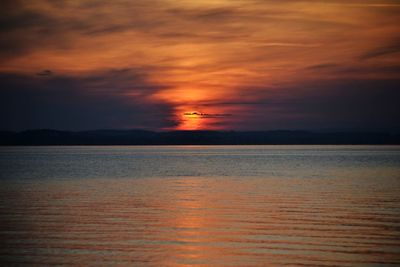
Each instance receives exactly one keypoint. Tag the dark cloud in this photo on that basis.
(360, 70)
(206, 115)
(23, 30)
(326, 104)
(103, 100)
(58, 25)
(325, 66)
(45, 73)
(217, 14)
(388, 49)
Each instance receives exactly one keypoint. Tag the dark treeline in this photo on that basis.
(141, 137)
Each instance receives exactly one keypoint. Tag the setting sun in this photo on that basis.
(191, 120)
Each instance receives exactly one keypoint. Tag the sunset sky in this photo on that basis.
(200, 64)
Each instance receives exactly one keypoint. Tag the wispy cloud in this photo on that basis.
(388, 49)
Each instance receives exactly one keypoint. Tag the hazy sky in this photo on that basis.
(200, 64)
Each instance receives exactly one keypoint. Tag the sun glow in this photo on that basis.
(191, 120)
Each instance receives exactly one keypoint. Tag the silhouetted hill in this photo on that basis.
(142, 137)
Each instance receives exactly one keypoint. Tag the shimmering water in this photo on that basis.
(201, 206)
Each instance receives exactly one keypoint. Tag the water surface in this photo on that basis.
(201, 206)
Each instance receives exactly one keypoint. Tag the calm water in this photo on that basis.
(201, 206)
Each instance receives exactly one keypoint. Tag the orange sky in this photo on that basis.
(217, 58)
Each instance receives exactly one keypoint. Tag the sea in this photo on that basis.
(200, 205)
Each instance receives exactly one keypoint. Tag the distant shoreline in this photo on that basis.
(143, 137)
